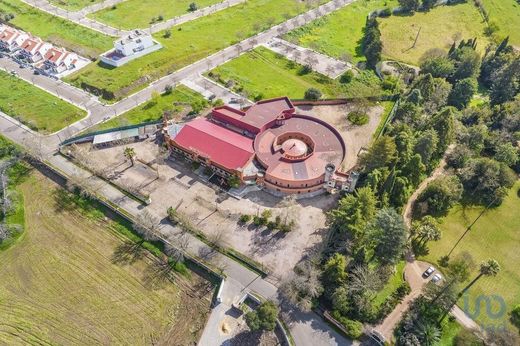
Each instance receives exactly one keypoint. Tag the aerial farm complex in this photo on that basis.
(260, 172)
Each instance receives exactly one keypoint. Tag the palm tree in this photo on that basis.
(428, 333)
(130, 154)
(487, 268)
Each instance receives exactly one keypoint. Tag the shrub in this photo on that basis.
(167, 33)
(305, 69)
(233, 181)
(172, 214)
(244, 218)
(515, 316)
(386, 12)
(193, 7)
(263, 318)
(357, 118)
(168, 89)
(208, 170)
(346, 77)
(195, 165)
(312, 94)
(354, 329)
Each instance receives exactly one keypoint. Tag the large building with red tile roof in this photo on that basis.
(268, 144)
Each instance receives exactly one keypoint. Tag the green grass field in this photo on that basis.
(180, 98)
(505, 13)
(73, 5)
(274, 75)
(67, 282)
(133, 14)
(58, 31)
(339, 32)
(188, 43)
(496, 235)
(34, 107)
(438, 28)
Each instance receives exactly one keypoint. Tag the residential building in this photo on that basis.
(130, 47)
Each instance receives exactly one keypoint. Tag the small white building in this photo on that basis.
(34, 49)
(130, 47)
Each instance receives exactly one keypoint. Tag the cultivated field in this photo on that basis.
(190, 42)
(180, 101)
(496, 235)
(339, 34)
(34, 107)
(274, 75)
(73, 5)
(67, 281)
(56, 30)
(132, 14)
(505, 13)
(438, 29)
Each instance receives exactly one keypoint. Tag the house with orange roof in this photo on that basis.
(10, 38)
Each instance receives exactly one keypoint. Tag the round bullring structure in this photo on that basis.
(295, 154)
(267, 144)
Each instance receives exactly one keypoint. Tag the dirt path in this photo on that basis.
(437, 172)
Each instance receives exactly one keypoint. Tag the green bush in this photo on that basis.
(244, 218)
(354, 329)
(312, 94)
(346, 77)
(264, 317)
(358, 118)
(515, 316)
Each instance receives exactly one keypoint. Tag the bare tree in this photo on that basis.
(147, 226)
(303, 286)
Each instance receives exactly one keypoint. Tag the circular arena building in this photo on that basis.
(296, 154)
(267, 144)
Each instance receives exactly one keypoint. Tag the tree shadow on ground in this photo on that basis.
(158, 274)
(128, 252)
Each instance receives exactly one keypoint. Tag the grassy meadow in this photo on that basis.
(438, 29)
(34, 107)
(274, 75)
(188, 43)
(340, 32)
(175, 102)
(58, 31)
(133, 14)
(506, 14)
(70, 280)
(496, 235)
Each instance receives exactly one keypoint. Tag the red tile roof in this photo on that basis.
(29, 44)
(6, 35)
(221, 145)
(53, 55)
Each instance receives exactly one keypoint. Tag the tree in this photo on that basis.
(507, 154)
(506, 85)
(428, 4)
(467, 63)
(515, 316)
(381, 154)
(414, 169)
(443, 123)
(346, 77)
(264, 317)
(463, 92)
(438, 196)
(458, 157)
(388, 234)
(193, 7)
(409, 5)
(303, 286)
(426, 145)
(129, 154)
(372, 45)
(439, 66)
(427, 229)
(334, 270)
(486, 181)
(147, 226)
(312, 94)
(489, 267)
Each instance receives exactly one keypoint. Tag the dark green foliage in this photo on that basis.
(353, 328)
(193, 7)
(443, 124)
(458, 157)
(372, 45)
(437, 66)
(486, 181)
(427, 145)
(506, 85)
(463, 92)
(346, 77)
(388, 233)
(428, 4)
(312, 94)
(467, 63)
(264, 317)
(409, 5)
(358, 118)
(244, 218)
(381, 154)
(440, 195)
(515, 316)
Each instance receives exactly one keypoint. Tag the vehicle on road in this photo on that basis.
(428, 272)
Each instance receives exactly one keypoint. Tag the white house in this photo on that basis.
(130, 47)
(10, 38)
(33, 49)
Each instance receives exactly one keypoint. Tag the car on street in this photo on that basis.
(428, 272)
(437, 277)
